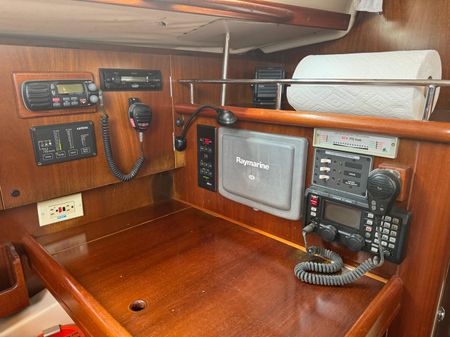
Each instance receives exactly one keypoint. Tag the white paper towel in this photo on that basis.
(382, 101)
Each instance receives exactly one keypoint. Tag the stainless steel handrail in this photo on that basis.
(430, 84)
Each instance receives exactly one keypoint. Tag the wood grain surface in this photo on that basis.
(417, 130)
(376, 319)
(13, 289)
(203, 276)
(98, 204)
(403, 25)
(428, 252)
(19, 170)
(255, 10)
(88, 314)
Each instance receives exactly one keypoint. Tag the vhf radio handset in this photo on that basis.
(140, 116)
(383, 187)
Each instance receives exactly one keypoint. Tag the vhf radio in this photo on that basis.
(348, 217)
(59, 94)
(349, 204)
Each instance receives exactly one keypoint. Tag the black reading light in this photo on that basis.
(224, 118)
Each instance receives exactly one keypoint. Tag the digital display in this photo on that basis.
(343, 215)
(133, 79)
(75, 88)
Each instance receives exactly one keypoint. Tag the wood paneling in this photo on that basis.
(23, 112)
(19, 170)
(403, 25)
(203, 276)
(98, 204)
(428, 243)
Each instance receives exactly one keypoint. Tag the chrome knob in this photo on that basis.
(93, 99)
(92, 86)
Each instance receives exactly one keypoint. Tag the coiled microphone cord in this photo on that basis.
(109, 156)
(313, 272)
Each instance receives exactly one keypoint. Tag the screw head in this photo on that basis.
(15, 193)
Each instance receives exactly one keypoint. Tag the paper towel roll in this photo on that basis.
(383, 101)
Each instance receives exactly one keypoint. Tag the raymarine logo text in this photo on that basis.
(256, 164)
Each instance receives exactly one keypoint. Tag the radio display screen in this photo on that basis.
(343, 215)
(74, 88)
(133, 79)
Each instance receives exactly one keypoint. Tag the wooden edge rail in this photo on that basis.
(15, 297)
(418, 130)
(255, 10)
(87, 313)
(377, 318)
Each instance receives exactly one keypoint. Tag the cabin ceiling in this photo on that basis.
(94, 22)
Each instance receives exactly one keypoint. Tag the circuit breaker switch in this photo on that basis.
(325, 169)
(324, 177)
(325, 161)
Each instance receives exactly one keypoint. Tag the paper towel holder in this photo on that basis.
(430, 85)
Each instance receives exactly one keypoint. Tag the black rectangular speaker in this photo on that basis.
(265, 95)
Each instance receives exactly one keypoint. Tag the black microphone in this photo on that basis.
(224, 118)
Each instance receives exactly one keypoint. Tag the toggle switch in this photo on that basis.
(324, 177)
(325, 169)
(325, 161)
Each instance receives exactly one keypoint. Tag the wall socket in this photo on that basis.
(60, 209)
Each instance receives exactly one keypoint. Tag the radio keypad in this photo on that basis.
(390, 227)
(389, 231)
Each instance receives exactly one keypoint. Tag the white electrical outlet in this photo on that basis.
(60, 209)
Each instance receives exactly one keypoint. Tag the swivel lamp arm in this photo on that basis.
(224, 118)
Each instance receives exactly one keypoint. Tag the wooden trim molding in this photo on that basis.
(418, 130)
(256, 10)
(376, 319)
(87, 313)
(13, 290)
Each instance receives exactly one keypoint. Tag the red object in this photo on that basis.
(67, 331)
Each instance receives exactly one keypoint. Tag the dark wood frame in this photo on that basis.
(256, 10)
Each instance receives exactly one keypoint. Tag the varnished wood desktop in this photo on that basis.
(200, 275)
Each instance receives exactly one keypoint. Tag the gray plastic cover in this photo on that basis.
(263, 171)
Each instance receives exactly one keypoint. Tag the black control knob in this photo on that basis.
(116, 78)
(355, 242)
(327, 232)
(383, 187)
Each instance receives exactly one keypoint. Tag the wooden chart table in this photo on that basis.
(200, 275)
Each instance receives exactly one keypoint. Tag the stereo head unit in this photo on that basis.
(130, 79)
